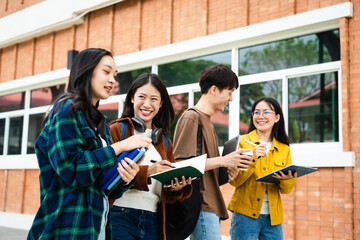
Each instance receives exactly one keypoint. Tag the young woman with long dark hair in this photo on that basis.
(257, 207)
(74, 150)
(138, 213)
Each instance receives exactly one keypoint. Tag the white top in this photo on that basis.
(102, 234)
(265, 205)
(144, 200)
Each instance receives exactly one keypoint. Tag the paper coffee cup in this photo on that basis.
(250, 153)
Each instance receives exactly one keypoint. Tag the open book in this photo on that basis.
(301, 171)
(193, 167)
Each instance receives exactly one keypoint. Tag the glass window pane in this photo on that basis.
(46, 96)
(313, 108)
(125, 79)
(2, 135)
(35, 123)
(110, 110)
(249, 93)
(197, 96)
(12, 102)
(15, 135)
(188, 71)
(180, 104)
(295, 52)
(220, 120)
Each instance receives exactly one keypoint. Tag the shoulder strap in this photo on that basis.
(199, 135)
(193, 109)
(166, 143)
(123, 130)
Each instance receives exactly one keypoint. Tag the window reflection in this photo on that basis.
(125, 79)
(46, 96)
(2, 135)
(188, 71)
(313, 108)
(111, 111)
(249, 93)
(295, 52)
(35, 123)
(220, 120)
(15, 135)
(180, 104)
(12, 102)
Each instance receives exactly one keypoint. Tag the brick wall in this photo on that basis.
(324, 205)
(354, 106)
(8, 7)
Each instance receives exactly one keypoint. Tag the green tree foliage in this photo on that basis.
(290, 53)
(184, 72)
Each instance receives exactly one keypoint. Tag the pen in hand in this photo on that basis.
(154, 161)
(250, 142)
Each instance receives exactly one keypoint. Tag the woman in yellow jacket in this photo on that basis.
(257, 207)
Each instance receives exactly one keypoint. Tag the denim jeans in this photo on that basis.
(207, 227)
(128, 223)
(247, 228)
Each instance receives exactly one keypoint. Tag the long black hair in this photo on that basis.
(165, 116)
(79, 87)
(278, 131)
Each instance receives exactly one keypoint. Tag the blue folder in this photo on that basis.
(112, 174)
(135, 159)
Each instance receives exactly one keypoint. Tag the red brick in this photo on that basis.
(44, 47)
(189, 19)
(64, 41)
(32, 193)
(81, 35)
(127, 25)
(100, 28)
(25, 59)
(3, 185)
(8, 63)
(15, 191)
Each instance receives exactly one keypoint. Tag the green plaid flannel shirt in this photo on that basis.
(72, 162)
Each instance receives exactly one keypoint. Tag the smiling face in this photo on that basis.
(147, 102)
(222, 98)
(264, 117)
(103, 79)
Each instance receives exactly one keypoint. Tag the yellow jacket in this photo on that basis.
(249, 194)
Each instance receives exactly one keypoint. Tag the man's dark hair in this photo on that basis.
(221, 76)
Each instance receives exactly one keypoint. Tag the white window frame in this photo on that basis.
(296, 25)
(309, 154)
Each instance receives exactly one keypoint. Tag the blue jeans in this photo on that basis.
(247, 228)
(129, 223)
(207, 227)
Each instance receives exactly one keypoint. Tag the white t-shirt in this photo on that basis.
(102, 234)
(144, 200)
(265, 205)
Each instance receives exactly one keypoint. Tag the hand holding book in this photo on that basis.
(283, 175)
(300, 171)
(192, 168)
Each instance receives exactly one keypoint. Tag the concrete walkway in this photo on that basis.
(12, 234)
